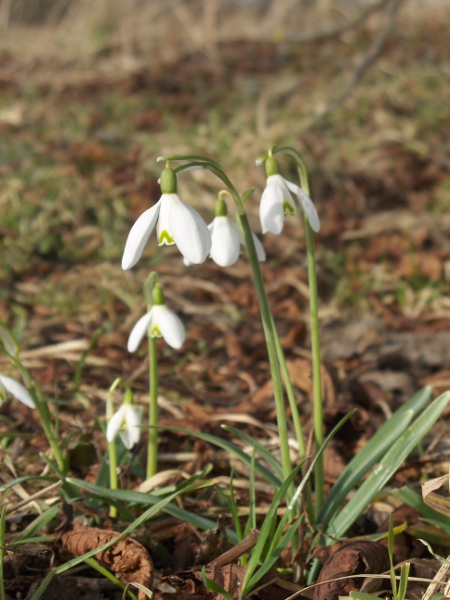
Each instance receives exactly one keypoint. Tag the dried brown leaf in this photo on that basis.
(354, 558)
(128, 559)
(439, 503)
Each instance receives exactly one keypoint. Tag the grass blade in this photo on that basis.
(146, 499)
(266, 529)
(229, 447)
(387, 466)
(371, 453)
(265, 454)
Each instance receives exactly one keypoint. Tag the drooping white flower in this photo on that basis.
(159, 321)
(277, 201)
(16, 389)
(176, 223)
(124, 422)
(226, 241)
(226, 238)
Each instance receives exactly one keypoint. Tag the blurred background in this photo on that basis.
(93, 91)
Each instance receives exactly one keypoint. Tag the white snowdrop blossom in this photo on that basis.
(124, 422)
(176, 223)
(226, 238)
(227, 241)
(16, 389)
(277, 201)
(162, 322)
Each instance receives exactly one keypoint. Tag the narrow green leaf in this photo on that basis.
(229, 447)
(403, 585)
(275, 464)
(234, 509)
(391, 558)
(146, 499)
(213, 586)
(362, 462)
(39, 539)
(387, 466)
(8, 341)
(415, 500)
(265, 530)
(43, 586)
(363, 596)
(37, 524)
(19, 480)
(251, 521)
(273, 555)
(94, 564)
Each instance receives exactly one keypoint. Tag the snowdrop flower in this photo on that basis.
(16, 389)
(176, 223)
(125, 422)
(160, 321)
(226, 239)
(277, 201)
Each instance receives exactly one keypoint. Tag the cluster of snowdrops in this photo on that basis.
(221, 240)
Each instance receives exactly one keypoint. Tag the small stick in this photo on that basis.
(237, 551)
(440, 578)
(33, 497)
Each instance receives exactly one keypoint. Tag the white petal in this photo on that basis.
(271, 211)
(170, 326)
(17, 390)
(138, 236)
(138, 331)
(115, 424)
(189, 231)
(283, 184)
(163, 230)
(261, 253)
(293, 187)
(131, 434)
(310, 211)
(226, 241)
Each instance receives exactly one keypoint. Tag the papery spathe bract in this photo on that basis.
(160, 321)
(16, 389)
(124, 422)
(277, 201)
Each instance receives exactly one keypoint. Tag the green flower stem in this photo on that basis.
(112, 452)
(152, 456)
(291, 397)
(152, 447)
(271, 338)
(315, 336)
(316, 364)
(49, 430)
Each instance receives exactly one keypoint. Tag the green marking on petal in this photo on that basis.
(155, 332)
(288, 209)
(165, 238)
